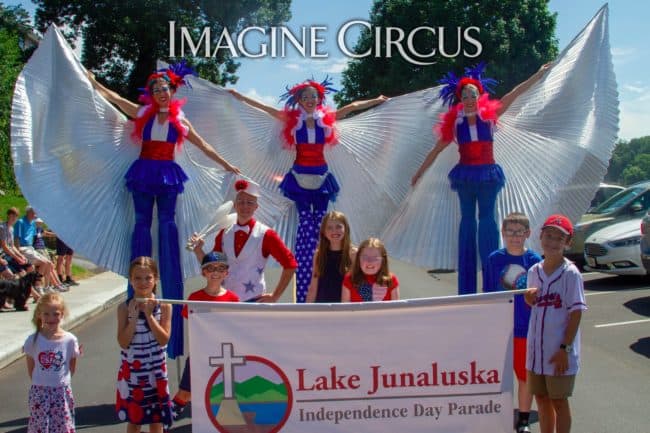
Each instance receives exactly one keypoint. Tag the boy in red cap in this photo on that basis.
(557, 301)
(214, 268)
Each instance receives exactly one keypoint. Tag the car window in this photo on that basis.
(619, 200)
(608, 192)
(644, 201)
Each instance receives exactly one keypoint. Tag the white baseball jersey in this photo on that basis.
(559, 294)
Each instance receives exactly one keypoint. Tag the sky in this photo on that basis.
(265, 78)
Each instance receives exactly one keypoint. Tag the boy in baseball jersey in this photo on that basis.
(557, 301)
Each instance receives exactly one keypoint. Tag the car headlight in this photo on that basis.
(627, 242)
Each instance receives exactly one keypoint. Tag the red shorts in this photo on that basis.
(519, 361)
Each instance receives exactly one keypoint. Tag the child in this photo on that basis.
(214, 268)
(507, 269)
(39, 239)
(51, 361)
(557, 301)
(143, 329)
(370, 279)
(332, 260)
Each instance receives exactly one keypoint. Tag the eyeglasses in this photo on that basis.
(371, 259)
(513, 233)
(161, 89)
(215, 268)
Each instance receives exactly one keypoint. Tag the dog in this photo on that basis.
(19, 290)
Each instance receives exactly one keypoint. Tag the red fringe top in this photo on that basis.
(174, 118)
(327, 120)
(487, 110)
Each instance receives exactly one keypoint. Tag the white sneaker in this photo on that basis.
(61, 288)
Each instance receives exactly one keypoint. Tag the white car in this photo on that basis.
(615, 249)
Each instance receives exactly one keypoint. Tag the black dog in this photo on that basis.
(18, 290)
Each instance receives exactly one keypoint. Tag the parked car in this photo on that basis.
(605, 191)
(615, 249)
(631, 203)
(645, 242)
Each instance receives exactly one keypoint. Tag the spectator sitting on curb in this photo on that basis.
(24, 234)
(17, 263)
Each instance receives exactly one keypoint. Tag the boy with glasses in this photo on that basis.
(214, 268)
(507, 269)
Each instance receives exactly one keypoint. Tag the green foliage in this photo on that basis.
(517, 37)
(11, 200)
(630, 161)
(13, 24)
(124, 38)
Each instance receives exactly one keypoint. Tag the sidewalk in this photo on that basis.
(92, 296)
(102, 291)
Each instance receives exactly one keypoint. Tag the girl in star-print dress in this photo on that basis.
(143, 332)
(309, 125)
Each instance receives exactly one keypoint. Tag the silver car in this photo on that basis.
(615, 249)
(631, 203)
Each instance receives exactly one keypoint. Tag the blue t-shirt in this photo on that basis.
(25, 231)
(508, 272)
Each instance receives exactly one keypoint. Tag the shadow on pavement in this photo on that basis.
(642, 347)
(639, 306)
(92, 416)
(608, 283)
(19, 425)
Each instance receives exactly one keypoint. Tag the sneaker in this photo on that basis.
(70, 282)
(61, 288)
(177, 410)
(523, 428)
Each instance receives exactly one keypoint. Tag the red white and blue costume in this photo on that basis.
(309, 183)
(476, 178)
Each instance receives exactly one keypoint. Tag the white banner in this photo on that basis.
(434, 365)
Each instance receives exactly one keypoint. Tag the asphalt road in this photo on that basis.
(612, 392)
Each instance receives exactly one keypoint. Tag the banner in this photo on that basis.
(430, 365)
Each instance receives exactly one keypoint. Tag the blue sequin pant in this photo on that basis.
(471, 195)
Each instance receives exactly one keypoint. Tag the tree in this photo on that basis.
(516, 39)
(123, 39)
(630, 161)
(14, 25)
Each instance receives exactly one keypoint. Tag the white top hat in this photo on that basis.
(247, 186)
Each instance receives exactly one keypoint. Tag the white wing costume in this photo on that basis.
(71, 149)
(553, 143)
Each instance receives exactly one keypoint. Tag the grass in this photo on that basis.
(80, 273)
(11, 200)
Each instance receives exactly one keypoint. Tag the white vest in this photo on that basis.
(246, 271)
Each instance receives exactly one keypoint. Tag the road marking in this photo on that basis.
(630, 322)
(617, 291)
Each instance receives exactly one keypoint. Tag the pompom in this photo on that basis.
(241, 185)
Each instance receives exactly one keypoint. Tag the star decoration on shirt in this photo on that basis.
(250, 287)
(260, 270)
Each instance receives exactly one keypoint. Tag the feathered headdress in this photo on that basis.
(292, 94)
(453, 85)
(174, 74)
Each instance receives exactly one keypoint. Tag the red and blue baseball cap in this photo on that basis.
(560, 222)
